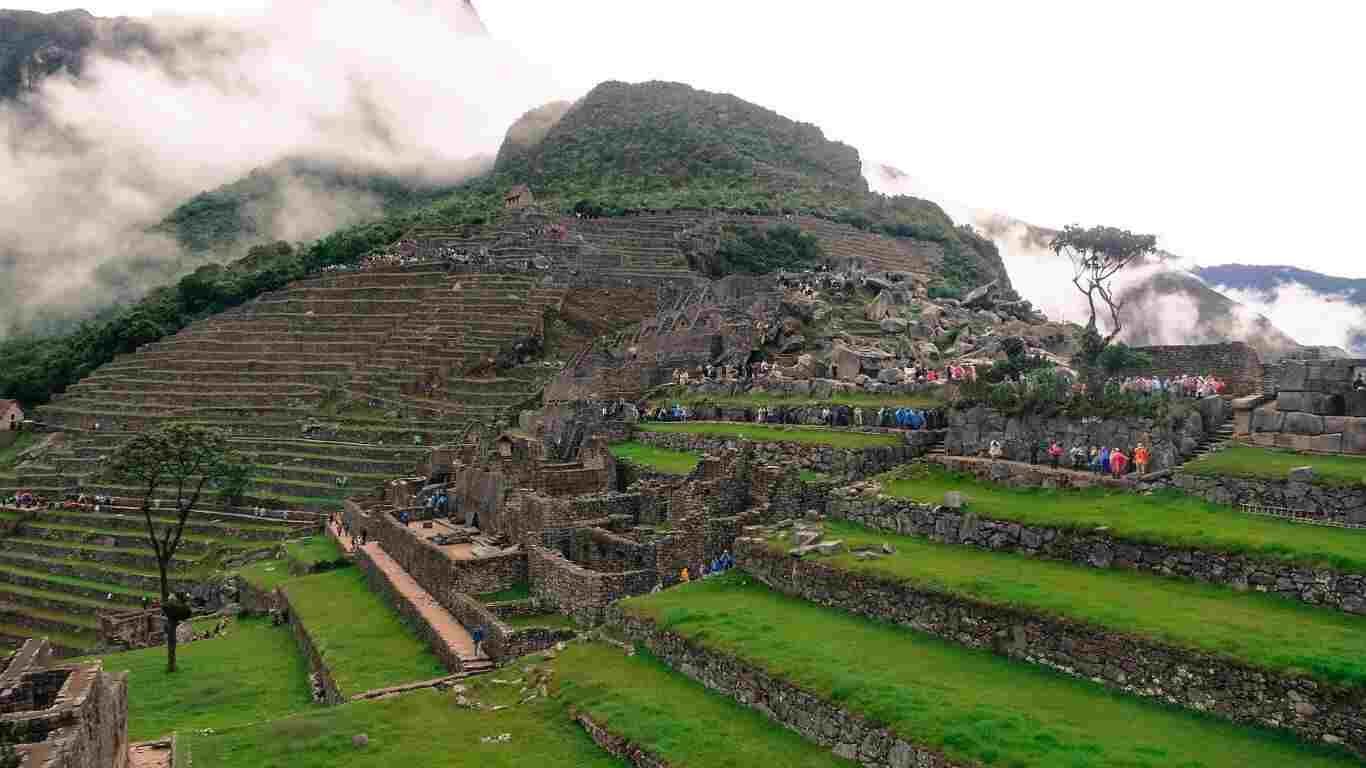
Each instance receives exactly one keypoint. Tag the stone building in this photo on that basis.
(518, 197)
(11, 415)
(1317, 407)
(66, 715)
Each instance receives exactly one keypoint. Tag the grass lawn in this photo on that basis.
(675, 718)
(768, 433)
(1168, 517)
(1252, 461)
(253, 673)
(9, 455)
(1265, 630)
(267, 574)
(361, 639)
(519, 591)
(658, 459)
(973, 705)
(314, 549)
(551, 620)
(420, 729)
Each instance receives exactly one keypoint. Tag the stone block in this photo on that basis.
(1267, 420)
(1302, 475)
(1354, 404)
(1303, 424)
(1354, 435)
(953, 499)
(1327, 443)
(1294, 374)
(1334, 425)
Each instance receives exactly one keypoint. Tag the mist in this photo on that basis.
(1313, 318)
(90, 165)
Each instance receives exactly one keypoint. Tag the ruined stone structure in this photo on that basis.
(1317, 408)
(67, 716)
(1235, 363)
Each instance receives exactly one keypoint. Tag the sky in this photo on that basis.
(1232, 130)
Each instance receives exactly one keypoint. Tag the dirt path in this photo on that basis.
(452, 632)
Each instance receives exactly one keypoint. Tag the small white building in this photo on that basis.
(10, 414)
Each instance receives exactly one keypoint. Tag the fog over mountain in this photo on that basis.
(110, 124)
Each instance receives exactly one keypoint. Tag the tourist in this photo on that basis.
(994, 450)
(478, 636)
(683, 575)
(1095, 460)
(1141, 459)
(1360, 383)
(1078, 454)
(1054, 453)
(1105, 460)
(1118, 461)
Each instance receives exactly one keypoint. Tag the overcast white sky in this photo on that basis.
(1233, 130)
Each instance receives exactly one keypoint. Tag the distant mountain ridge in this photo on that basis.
(1266, 279)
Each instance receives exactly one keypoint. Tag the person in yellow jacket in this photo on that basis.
(1141, 457)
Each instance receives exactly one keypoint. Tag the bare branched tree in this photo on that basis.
(182, 460)
(1097, 255)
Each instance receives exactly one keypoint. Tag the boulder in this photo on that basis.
(881, 308)
(953, 499)
(793, 343)
(1302, 475)
(1267, 419)
(981, 297)
(893, 325)
(890, 376)
(1303, 423)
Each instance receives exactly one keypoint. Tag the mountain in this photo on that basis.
(1267, 279)
(35, 46)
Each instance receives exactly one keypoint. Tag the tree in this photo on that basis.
(184, 460)
(1097, 255)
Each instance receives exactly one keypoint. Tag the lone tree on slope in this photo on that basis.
(1097, 255)
(183, 460)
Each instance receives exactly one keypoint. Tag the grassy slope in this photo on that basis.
(1265, 630)
(360, 637)
(254, 673)
(269, 574)
(764, 433)
(1168, 518)
(1250, 461)
(658, 459)
(9, 455)
(971, 704)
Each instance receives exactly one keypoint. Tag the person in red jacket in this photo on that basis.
(1118, 462)
(1055, 453)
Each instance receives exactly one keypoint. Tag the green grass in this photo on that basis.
(1168, 517)
(973, 705)
(79, 583)
(266, 575)
(675, 718)
(310, 551)
(519, 591)
(812, 476)
(254, 673)
(1265, 630)
(361, 639)
(550, 620)
(1251, 461)
(765, 433)
(658, 459)
(9, 455)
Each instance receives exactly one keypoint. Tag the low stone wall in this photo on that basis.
(849, 735)
(839, 462)
(1192, 679)
(578, 592)
(618, 746)
(1342, 505)
(332, 695)
(1093, 549)
(1235, 363)
(411, 613)
(1169, 441)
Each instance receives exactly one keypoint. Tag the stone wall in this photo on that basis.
(1345, 505)
(332, 695)
(1097, 549)
(1020, 474)
(841, 462)
(579, 592)
(1316, 408)
(66, 716)
(410, 611)
(1192, 679)
(1170, 441)
(849, 735)
(1234, 362)
(618, 746)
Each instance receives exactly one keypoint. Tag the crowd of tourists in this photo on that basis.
(1114, 461)
(1179, 386)
(717, 566)
(27, 500)
(804, 415)
(764, 370)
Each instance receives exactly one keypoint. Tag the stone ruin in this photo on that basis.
(63, 715)
(1316, 408)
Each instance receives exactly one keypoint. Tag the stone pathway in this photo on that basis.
(342, 539)
(452, 632)
(151, 754)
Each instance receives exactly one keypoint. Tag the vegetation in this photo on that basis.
(548, 620)
(1269, 463)
(1168, 517)
(519, 591)
(764, 433)
(675, 718)
(657, 459)
(973, 705)
(9, 455)
(1097, 255)
(182, 460)
(360, 637)
(315, 553)
(254, 672)
(748, 250)
(1264, 630)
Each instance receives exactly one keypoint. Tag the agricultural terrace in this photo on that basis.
(361, 638)
(1267, 463)
(1260, 629)
(657, 459)
(254, 672)
(269, 574)
(1167, 517)
(762, 399)
(766, 433)
(973, 705)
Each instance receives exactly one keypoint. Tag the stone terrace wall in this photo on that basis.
(849, 735)
(618, 746)
(578, 592)
(332, 695)
(841, 462)
(1342, 505)
(429, 566)
(1093, 549)
(1191, 679)
(1234, 362)
(1170, 442)
(411, 613)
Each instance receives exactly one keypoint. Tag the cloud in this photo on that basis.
(1313, 318)
(400, 87)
